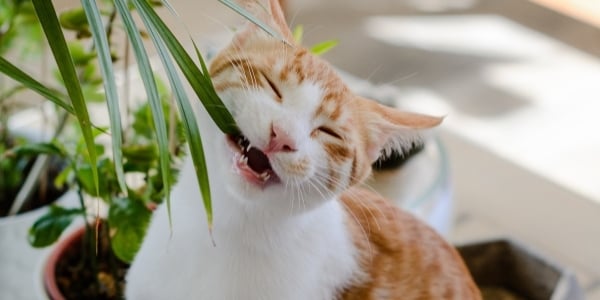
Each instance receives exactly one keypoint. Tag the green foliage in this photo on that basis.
(317, 49)
(19, 28)
(47, 229)
(148, 150)
(323, 47)
(128, 219)
(76, 20)
(12, 169)
(128, 213)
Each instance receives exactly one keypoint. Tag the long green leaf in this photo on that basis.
(199, 81)
(189, 121)
(148, 79)
(246, 14)
(110, 86)
(23, 78)
(49, 21)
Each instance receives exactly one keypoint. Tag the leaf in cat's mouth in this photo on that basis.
(254, 160)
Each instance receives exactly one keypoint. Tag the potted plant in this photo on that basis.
(25, 177)
(89, 171)
(92, 260)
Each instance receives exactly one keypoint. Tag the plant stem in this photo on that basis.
(88, 246)
(112, 263)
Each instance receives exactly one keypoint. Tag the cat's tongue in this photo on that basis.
(257, 160)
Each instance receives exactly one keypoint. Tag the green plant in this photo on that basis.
(20, 30)
(85, 65)
(73, 101)
(127, 215)
(148, 146)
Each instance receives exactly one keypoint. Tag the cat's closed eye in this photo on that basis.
(272, 85)
(328, 131)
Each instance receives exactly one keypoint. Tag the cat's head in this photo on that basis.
(305, 136)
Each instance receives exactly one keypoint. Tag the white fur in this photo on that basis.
(284, 242)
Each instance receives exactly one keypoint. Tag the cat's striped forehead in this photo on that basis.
(309, 84)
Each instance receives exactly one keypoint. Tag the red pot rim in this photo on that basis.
(50, 285)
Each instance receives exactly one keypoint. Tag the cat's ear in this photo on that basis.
(389, 128)
(269, 12)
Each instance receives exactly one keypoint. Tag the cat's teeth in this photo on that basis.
(243, 159)
(265, 176)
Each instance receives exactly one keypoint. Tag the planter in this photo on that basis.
(421, 185)
(64, 276)
(49, 272)
(504, 269)
(18, 259)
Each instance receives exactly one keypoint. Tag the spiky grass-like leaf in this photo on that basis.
(110, 86)
(148, 79)
(49, 21)
(23, 78)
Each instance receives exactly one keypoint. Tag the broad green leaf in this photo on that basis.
(61, 179)
(246, 14)
(80, 56)
(48, 228)
(107, 182)
(140, 152)
(110, 86)
(188, 119)
(47, 16)
(74, 19)
(128, 219)
(18, 75)
(199, 82)
(323, 47)
(145, 70)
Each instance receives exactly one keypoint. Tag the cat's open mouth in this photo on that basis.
(252, 163)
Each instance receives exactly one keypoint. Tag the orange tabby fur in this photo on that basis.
(400, 257)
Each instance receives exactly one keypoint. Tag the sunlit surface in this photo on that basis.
(547, 117)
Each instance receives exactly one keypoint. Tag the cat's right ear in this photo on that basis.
(389, 128)
(270, 13)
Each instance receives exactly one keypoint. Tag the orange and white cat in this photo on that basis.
(290, 218)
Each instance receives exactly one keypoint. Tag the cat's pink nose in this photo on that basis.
(281, 140)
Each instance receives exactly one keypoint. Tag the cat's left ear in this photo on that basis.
(389, 128)
(269, 12)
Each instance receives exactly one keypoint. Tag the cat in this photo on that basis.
(291, 218)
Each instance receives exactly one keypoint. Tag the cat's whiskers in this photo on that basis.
(324, 174)
(237, 55)
(402, 78)
(333, 195)
(242, 82)
(301, 202)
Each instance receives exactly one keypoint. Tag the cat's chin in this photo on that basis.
(251, 163)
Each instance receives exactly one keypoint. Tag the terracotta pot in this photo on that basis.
(49, 271)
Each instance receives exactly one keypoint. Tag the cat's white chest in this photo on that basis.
(310, 257)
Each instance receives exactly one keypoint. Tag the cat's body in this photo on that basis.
(289, 219)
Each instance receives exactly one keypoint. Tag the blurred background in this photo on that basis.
(519, 82)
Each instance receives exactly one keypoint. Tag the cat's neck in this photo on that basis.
(235, 218)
